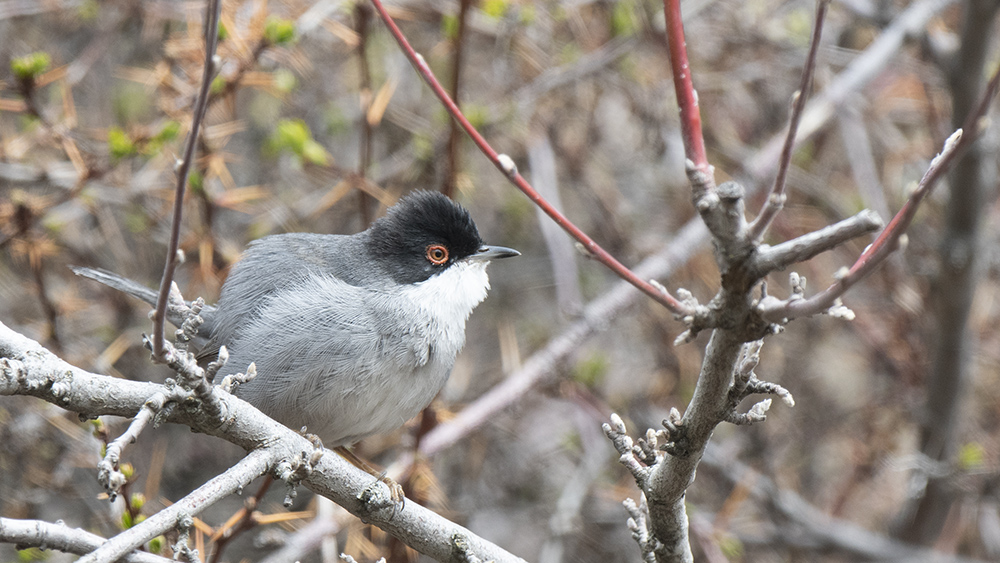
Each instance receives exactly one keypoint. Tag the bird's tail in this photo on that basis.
(139, 291)
(114, 281)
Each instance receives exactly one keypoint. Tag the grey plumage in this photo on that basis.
(350, 335)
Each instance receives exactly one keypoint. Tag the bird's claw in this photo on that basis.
(374, 498)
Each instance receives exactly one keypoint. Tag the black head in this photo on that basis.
(423, 234)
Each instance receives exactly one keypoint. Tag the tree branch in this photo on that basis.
(26, 368)
(776, 199)
(60, 537)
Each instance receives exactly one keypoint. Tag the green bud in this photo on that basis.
(30, 67)
(279, 31)
(120, 144)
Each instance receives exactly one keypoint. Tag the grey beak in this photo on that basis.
(493, 252)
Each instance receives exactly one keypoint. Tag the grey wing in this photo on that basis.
(269, 265)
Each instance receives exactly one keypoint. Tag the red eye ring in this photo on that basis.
(437, 254)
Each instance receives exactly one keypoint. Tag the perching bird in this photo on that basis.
(351, 335)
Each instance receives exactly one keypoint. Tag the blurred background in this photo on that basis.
(317, 123)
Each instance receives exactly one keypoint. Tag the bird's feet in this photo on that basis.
(372, 495)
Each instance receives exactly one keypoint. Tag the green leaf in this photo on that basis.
(449, 26)
(30, 67)
(279, 31)
(120, 144)
(591, 370)
(156, 544)
(495, 8)
(314, 152)
(971, 455)
(218, 85)
(622, 20)
(32, 554)
(137, 501)
(197, 182)
(168, 132)
(294, 136)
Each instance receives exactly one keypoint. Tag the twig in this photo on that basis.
(362, 15)
(803, 524)
(687, 97)
(60, 537)
(774, 310)
(861, 71)
(233, 479)
(212, 10)
(776, 199)
(244, 519)
(780, 256)
(454, 135)
(506, 165)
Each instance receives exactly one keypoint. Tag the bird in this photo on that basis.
(351, 335)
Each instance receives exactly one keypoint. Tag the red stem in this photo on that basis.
(687, 98)
(595, 250)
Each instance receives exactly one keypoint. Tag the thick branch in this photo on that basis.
(26, 368)
(781, 256)
(60, 537)
(671, 477)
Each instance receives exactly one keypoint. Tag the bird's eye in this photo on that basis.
(437, 254)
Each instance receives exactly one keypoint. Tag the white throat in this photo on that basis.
(450, 296)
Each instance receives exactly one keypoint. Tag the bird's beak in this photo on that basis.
(493, 252)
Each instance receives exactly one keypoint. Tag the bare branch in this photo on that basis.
(776, 199)
(687, 97)
(774, 310)
(804, 524)
(781, 256)
(861, 71)
(26, 368)
(255, 464)
(60, 537)
(212, 10)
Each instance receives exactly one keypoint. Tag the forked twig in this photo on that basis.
(774, 310)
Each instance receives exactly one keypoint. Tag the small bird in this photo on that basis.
(352, 335)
